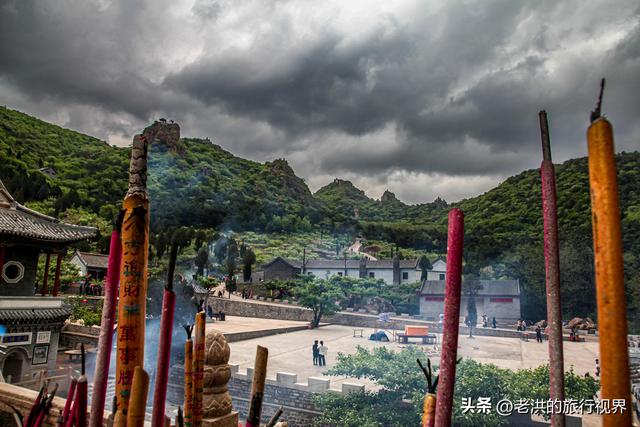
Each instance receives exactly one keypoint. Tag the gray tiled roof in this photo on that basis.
(19, 221)
(18, 316)
(93, 260)
(489, 287)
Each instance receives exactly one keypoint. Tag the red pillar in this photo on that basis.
(45, 280)
(56, 279)
(1, 258)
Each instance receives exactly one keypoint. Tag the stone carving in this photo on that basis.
(217, 400)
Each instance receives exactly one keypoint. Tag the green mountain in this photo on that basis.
(197, 183)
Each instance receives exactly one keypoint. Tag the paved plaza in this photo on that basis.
(291, 352)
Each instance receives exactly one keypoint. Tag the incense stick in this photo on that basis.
(105, 342)
(552, 270)
(607, 248)
(164, 346)
(257, 387)
(453, 277)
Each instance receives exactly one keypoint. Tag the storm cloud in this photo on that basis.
(427, 99)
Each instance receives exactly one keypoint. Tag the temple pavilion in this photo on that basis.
(31, 317)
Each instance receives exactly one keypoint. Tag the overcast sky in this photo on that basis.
(425, 98)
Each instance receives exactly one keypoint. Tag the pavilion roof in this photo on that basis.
(19, 221)
(26, 315)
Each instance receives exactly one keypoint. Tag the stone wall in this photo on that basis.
(290, 311)
(295, 398)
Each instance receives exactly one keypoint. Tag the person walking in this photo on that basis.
(538, 333)
(322, 350)
(315, 352)
(494, 323)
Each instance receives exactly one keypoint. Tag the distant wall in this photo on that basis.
(249, 308)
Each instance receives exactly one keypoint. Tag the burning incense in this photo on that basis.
(188, 377)
(447, 375)
(70, 398)
(607, 248)
(45, 406)
(198, 370)
(105, 342)
(164, 346)
(257, 387)
(32, 413)
(138, 400)
(81, 396)
(429, 405)
(552, 268)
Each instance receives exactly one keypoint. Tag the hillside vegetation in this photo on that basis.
(199, 184)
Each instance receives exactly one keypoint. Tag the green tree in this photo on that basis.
(248, 259)
(402, 385)
(425, 266)
(320, 295)
(202, 258)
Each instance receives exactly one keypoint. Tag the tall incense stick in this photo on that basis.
(135, 248)
(447, 375)
(164, 346)
(552, 268)
(607, 248)
(105, 342)
(188, 377)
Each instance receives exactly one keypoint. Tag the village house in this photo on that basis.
(395, 271)
(499, 298)
(91, 264)
(31, 319)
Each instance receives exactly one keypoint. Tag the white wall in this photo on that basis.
(76, 260)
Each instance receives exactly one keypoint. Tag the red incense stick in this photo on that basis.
(552, 269)
(70, 397)
(447, 375)
(164, 346)
(105, 342)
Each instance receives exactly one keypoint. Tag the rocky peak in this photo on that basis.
(388, 197)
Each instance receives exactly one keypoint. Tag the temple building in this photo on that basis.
(91, 264)
(495, 298)
(30, 316)
(393, 271)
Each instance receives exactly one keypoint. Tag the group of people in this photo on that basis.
(485, 322)
(522, 326)
(247, 293)
(319, 353)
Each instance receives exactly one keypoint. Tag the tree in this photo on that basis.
(201, 260)
(425, 266)
(399, 398)
(248, 259)
(220, 249)
(472, 314)
(320, 295)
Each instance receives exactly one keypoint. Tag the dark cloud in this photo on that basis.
(403, 95)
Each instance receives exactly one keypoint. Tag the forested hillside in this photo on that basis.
(200, 184)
